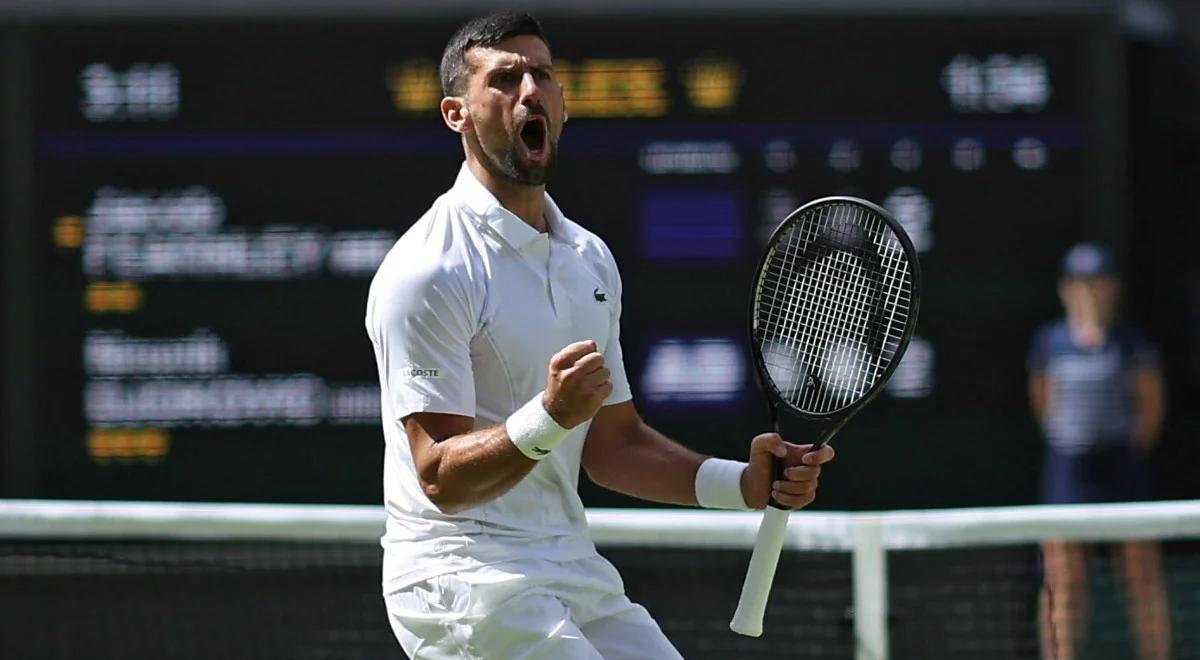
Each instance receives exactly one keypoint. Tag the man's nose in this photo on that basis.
(531, 94)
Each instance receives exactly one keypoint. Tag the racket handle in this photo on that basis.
(748, 619)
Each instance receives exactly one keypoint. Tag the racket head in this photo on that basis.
(835, 301)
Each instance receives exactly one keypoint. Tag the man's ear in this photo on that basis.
(456, 114)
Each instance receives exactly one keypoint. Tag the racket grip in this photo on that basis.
(748, 619)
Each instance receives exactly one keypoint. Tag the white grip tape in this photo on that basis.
(748, 619)
(719, 484)
(533, 430)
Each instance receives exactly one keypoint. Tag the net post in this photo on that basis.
(870, 589)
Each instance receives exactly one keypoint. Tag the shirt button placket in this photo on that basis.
(558, 292)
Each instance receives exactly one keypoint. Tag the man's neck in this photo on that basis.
(1087, 332)
(526, 202)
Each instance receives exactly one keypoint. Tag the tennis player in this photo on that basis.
(1097, 389)
(495, 322)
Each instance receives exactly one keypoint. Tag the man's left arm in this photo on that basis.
(1149, 392)
(624, 454)
(1150, 406)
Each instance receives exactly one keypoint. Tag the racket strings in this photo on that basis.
(832, 306)
(845, 314)
(782, 269)
(835, 316)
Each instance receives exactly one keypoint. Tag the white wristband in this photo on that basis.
(533, 430)
(719, 484)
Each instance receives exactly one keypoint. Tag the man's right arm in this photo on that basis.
(1039, 388)
(1039, 382)
(460, 468)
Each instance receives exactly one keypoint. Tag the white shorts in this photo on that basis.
(526, 610)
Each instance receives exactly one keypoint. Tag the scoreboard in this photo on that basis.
(206, 202)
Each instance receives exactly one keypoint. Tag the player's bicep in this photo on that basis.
(1038, 395)
(612, 428)
(1149, 388)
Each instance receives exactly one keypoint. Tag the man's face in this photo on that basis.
(1093, 298)
(516, 109)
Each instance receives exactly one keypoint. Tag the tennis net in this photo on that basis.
(170, 580)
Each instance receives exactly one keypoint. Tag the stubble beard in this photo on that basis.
(507, 163)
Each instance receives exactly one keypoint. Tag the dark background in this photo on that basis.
(290, 122)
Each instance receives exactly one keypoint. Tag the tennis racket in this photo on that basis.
(834, 305)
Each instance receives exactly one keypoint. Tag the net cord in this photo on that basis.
(807, 530)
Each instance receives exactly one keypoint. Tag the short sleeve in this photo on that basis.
(1145, 354)
(423, 327)
(1035, 361)
(613, 356)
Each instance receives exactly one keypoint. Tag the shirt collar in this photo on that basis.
(488, 210)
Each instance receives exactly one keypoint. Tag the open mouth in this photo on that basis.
(533, 135)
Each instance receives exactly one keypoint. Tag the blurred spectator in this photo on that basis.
(1097, 390)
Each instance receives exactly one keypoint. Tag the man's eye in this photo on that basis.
(505, 78)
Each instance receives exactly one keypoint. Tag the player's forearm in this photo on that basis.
(646, 464)
(470, 469)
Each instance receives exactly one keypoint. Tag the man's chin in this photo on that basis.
(536, 176)
(531, 173)
(520, 168)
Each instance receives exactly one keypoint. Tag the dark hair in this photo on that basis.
(482, 31)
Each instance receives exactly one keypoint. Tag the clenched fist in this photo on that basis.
(577, 384)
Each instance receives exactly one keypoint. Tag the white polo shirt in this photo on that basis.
(464, 314)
